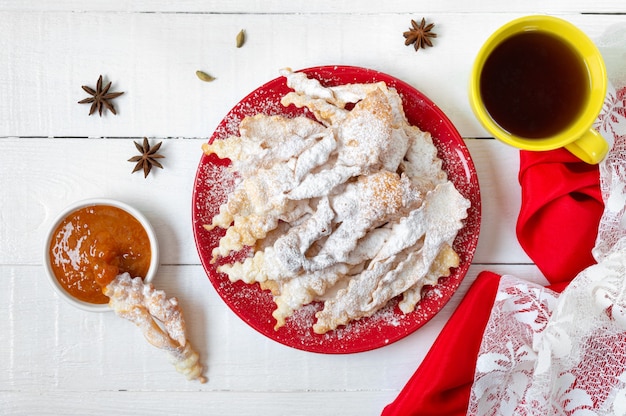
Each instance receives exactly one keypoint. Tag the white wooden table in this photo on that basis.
(57, 360)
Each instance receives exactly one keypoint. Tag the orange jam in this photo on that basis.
(92, 245)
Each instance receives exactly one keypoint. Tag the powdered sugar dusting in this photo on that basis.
(387, 325)
(222, 182)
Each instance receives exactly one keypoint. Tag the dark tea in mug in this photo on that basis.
(534, 84)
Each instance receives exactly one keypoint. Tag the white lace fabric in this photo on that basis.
(545, 353)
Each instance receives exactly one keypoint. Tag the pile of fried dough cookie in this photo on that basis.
(351, 208)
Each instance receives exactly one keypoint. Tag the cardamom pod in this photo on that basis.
(241, 38)
(204, 76)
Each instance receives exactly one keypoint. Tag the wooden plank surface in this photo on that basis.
(153, 57)
(240, 7)
(55, 359)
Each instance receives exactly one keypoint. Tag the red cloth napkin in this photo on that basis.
(441, 385)
(560, 212)
(557, 227)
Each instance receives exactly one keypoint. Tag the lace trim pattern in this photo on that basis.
(548, 354)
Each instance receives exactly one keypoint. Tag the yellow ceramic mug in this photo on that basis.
(539, 83)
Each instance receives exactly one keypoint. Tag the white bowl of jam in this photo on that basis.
(90, 243)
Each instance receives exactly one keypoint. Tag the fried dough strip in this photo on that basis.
(316, 155)
(366, 204)
(399, 265)
(264, 141)
(262, 266)
(325, 112)
(441, 267)
(160, 320)
(254, 209)
(292, 292)
(290, 295)
(363, 146)
(338, 96)
(282, 260)
(297, 292)
(371, 201)
(303, 85)
(421, 163)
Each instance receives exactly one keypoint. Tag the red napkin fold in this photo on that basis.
(560, 212)
(557, 227)
(441, 385)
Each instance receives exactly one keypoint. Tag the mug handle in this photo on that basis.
(591, 147)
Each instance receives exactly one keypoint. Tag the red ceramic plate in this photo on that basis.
(253, 305)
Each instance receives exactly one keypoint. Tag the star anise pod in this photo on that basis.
(148, 157)
(100, 97)
(419, 35)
